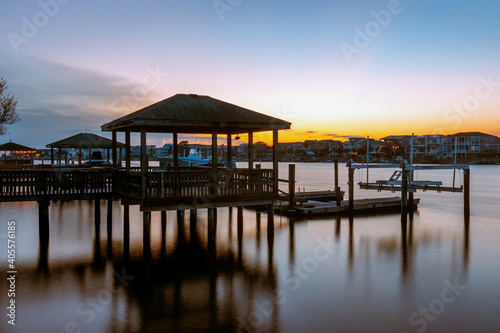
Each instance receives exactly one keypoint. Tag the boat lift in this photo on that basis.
(407, 185)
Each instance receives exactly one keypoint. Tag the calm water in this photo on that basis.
(317, 275)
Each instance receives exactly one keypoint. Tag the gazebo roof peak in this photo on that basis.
(84, 140)
(192, 113)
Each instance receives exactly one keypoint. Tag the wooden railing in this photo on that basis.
(57, 182)
(200, 183)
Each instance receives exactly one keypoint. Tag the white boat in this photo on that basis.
(198, 157)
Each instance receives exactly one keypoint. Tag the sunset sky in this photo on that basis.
(333, 68)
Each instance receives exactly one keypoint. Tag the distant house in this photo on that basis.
(401, 142)
(428, 145)
(469, 144)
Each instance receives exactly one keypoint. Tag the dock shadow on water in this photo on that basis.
(371, 273)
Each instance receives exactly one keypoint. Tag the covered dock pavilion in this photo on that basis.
(193, 188)
(82, 141)
(19, 154)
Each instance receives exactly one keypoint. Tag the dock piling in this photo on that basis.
(467, 192)
(351, 188)
(404, 194)
(291, 186)
(97, 213)
(146, 233)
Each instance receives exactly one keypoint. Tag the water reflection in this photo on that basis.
(193, 275)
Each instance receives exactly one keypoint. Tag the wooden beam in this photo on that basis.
(250, 150)
(127, 151)
(229, 152)
(176, 151)
(113, 150)
(467, 192)
(275, 160)
(144, 162)
(214, 151)
(291, 186)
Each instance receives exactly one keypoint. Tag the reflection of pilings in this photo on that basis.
(466, 241)
(351, 240)
(109, 224)
(43, 234)
(404, 250)
(291, 248)
(467, 192)
(180, 216)
(97, 213)
(126, 232)
(240, 235)
(97, 247)
(163, 233)
(270, 220)
(337, 227)
(212, 227)
(212, 231)
(146, 234)
(258, 217)
(193, 216)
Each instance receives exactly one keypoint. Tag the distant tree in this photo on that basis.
(8, 114)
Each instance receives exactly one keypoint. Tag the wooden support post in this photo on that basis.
(275, 161)
(351, 188)
(250, 150)
(97, 213)
(146, 233)
(126, 230)
(214, 151)
(114, 151)
(109, 219)
(212, 227)
(404, 195)
(52, 155)
(80, 156)
(467, 192)
(176, 151)
(60, 156)
(127, 151)
(180, 216)
(270, 218)
(193, 215)
(337, 187)
(291, 187)
(43, 220)
(240, 214)
(144, 163)
(163, 232)
(229, 152)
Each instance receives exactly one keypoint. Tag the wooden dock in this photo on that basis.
(361, 206)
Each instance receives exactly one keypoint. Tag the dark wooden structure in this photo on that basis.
(82, 141)
(196, 188)
(20, 155)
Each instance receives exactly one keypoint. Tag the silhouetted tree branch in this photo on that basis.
(8, 114)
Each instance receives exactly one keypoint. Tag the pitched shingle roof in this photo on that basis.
(195, 114)
(11, 146)
(84, 140)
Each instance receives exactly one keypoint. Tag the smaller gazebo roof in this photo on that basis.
(192, 113)
(85, 140)
(11, 146)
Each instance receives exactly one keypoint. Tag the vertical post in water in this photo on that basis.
(97, 213)
(410, 194)
(337, 188)
(146, 233)
(291, 186)
(367, 158)
(351, 187)
(126, 230)
(109, 219)
(43, 220)
(212, 227)
(467, 192)
(404, 194)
